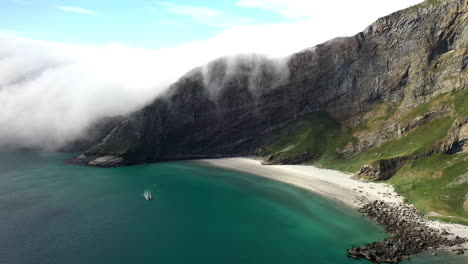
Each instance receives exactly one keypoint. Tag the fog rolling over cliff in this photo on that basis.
(257, 73)
(53, 96)
(51, 93)
(403, 60)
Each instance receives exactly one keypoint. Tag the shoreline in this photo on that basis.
(334, 185)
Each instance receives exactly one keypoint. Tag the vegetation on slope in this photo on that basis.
(426, 181)
(316, 133)
(460, 102)
(434, 184)
(416, 142)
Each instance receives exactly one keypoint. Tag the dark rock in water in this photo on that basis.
(229, 106)
(102, 161)
(409, 234)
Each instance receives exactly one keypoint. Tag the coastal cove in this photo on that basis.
(410, 231)
(52, 212)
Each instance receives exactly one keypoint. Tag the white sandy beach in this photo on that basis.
(334, 185)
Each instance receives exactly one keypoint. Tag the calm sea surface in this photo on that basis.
(56, 213)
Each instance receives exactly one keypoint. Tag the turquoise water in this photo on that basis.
(56, 213)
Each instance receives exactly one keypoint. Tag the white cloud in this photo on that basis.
(203, 15)
(321, 20)
(78, 10)
(49, 92)
(198, 12)
(329, 11)
(11, 33)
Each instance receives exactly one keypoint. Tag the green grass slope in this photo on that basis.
(316, 133)
(429, 183)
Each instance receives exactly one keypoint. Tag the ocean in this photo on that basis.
(51, 212)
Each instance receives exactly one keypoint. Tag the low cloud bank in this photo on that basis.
(51, 92)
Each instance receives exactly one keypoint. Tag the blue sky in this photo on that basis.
(157, 24)
(149, 24)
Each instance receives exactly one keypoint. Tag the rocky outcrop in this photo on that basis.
(456, 141)
(278, 159)
(409, 234)
(457, 138)
(102, 161)
(227, 107)
(383, 169)
(421, 120)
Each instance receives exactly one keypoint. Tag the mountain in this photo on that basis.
(93, 134)
(389, 103)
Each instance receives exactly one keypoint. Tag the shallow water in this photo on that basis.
(56, 213)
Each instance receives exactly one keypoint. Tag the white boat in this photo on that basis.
(147, 194)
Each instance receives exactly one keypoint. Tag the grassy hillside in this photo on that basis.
(429, 182)
(316, 133)
(432, 185)
(416, 142)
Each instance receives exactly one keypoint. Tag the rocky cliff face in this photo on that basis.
(93, 135)
(231, 106)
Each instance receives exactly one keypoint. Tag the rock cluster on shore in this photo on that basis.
(409, 234)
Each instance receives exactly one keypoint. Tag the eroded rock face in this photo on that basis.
(421, 120)
(456, 141)
(383, 169)
(457, 138)
(275, 159)
(102, 161)
(93, 135)
(224, 110)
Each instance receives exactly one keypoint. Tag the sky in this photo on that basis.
(156, 24)
(65, 64)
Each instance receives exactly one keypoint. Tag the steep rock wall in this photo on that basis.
(225, 108)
